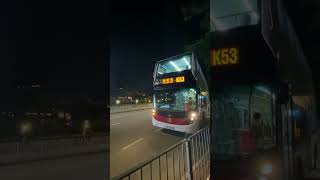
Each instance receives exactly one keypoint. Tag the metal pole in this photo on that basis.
(18, 152)
(189, 161)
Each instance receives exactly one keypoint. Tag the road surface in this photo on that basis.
(134, 140)
(78, 167)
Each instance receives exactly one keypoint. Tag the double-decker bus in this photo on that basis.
(263, 123)
(180, 94)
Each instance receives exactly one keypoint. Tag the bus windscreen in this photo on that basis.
(176, 100)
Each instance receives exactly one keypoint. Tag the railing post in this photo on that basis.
(18, 149)
(189, 172)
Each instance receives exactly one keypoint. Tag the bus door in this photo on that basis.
(245, 129)
(242, 119)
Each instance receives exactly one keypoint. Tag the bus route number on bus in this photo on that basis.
(224, 56)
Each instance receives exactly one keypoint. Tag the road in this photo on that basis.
(134, 140)
(78, 167)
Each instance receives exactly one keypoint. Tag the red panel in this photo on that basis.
(176, 121)
(247, 142)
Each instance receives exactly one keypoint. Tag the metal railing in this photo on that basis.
(14, 151)
(187, 160)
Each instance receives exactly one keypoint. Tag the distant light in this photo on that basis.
(175, 66)
(35, 86)
(117, 102)
(86, 124)
(137, 101)
(25, 128)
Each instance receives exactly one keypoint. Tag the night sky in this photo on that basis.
(61, 45)
(142, 34)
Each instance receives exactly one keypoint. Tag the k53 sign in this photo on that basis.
(224, 56)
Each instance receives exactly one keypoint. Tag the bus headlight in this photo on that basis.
(193, 116)
(266, 169)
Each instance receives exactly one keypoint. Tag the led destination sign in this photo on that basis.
(172, 80)
(224, 56)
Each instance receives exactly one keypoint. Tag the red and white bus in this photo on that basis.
(180, 94)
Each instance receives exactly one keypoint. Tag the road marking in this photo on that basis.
(157, 130)
(115, 124)
(132, 144)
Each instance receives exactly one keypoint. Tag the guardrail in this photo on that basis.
(13, 152)
(188, 159)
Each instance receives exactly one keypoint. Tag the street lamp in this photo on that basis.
(86, 128)
(118, 102)
(137, 101)
(25, 130)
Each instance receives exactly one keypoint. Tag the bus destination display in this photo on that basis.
(172, 80)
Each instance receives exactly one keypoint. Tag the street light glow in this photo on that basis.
(25, 128)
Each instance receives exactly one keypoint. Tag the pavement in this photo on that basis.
(313, 174)
(85, 167)
(134, 140)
